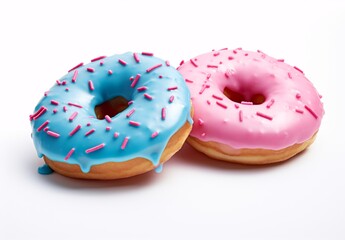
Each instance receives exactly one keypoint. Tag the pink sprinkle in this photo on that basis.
(107, 128)
(90, 132)
(163, 113)
(95, 148)
(91, 87)
(140, 89)
(171, 99)
(101, 63)
(55, 111)
(153, 68)
(75, 105)
(107, 118)
(130, 102)
(64, 82)
(116, 135)
(240, 116)
(239, 48)
(246, 103)
(298, 69)
(136, 57)
(124, 143)
(298, 96)
(172, 88)
(42, 126)
(130, 113)
(299, 111)
(230, 58)
(270, 103)
(289, 74)
(75, 75)
(39, 113)
(97, 58)
(264, 116)
(66, 89)
(217, 97)
(216, 54)
(193, 63)
(147, 96)
(234, 51)
(53, 134)
(54, 102)
(204, 86)
(58, 82)
(208, 76)
(160, 76)
(72, 117)
(76, 129)
(90, 70)
(69, 154)
(147, 54)
(131, 78)
(46, 129)
(110, 72)
(64, 108)
(88, 124)
(212, 66)
(208, 102)
(311, 111)
(79, 65)
(280, 60)
(133, 123)
(182, 62)
(223, 49)
(246, 54)
(167, 63)
(200, 121)
(190, 81)
(46, 93)
(236, 105)
(123, 63)
(135, 81)
(155, 134)
(221, 105)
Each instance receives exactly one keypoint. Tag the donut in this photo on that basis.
(114, 117)
(249, 107)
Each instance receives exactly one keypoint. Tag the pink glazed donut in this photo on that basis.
(250, 108)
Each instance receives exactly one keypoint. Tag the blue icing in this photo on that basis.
(159, 169)
(107, 86)
(45, 170)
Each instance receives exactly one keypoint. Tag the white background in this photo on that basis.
(195, 197)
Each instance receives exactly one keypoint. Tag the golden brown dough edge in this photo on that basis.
(224, 152)
(116, 170)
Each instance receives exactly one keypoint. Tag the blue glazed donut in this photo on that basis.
(113, 118)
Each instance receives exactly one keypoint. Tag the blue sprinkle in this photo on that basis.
(45, 170)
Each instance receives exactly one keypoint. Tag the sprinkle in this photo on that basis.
(172, 88)
(108, 128)
(147, 96)
(208, 102)
(239, 48)
(208, 76)
(187, 80)
(140, 89)
(234, 51)
(131, 78)
(147, 54)
(163, 113)
(240, 116)
(46, 129)
(90, 132)
(53, 134)
(289, 74)
(264, 116)
(200, 121)
(107, 118)
(204, 86)
(42, 126)
(153, 68)
(167, 63)
(135, 81)
(223, 49)
(73, 116)
(246, 54)
(230, 58)
(101, 63)
(46, 93)
(64, 108)
(212, 66)
(221, 105)
(311, 111)
(55, 111)
(69, 154)
(39, 113)
(110, 72)
(54, 102)
(155, 134)
(182, 62)
(58, 82)
(95, 148)
(66, 89)
(91, 87)
(216, 54)
(130, 102)
(193, 63)
(136, 57)
(75, 75)
(116, 135)
(130, 113)
(123, 63)
(160, 76)
(124, 143)
(64, 82)
(236, 105)
(90, 70)
(298, 69)
(171, 99)
(246, 103)
(270, 103)
(79, 65)
(75, 105)
(299, 111)
(298, 96)
(217, 97)
(76, 129)
(88, 124)
(133, 123)
(97, 58)
(280, 60)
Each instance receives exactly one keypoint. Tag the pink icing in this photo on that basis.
(276, 123)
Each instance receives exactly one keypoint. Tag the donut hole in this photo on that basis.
(111, 107)
(239, 97)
